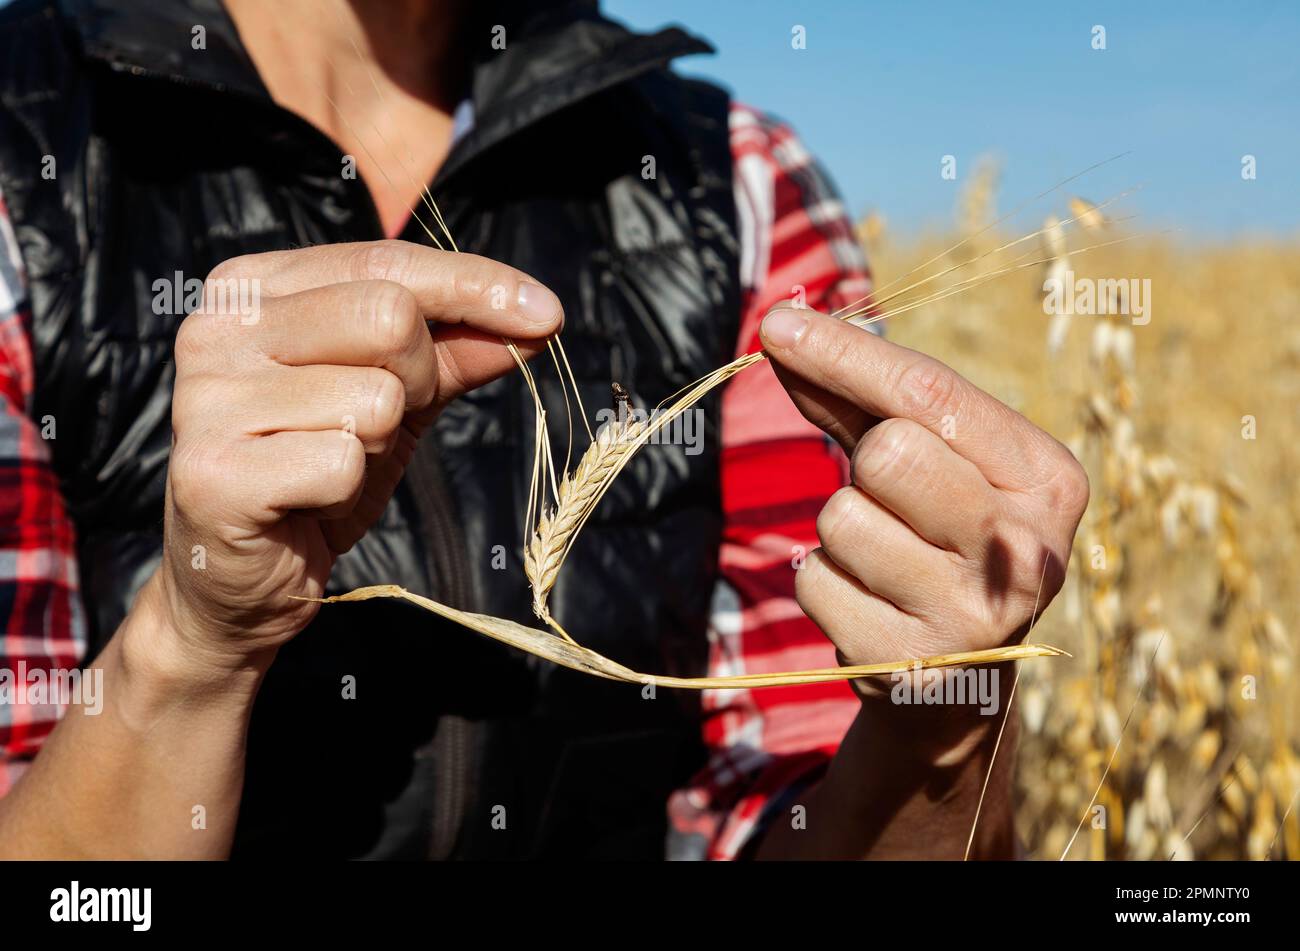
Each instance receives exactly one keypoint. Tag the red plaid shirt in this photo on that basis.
(41, 624)
(765, 747)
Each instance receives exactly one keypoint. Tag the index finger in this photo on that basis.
(887, 380)
(450, 287)
(473, 302)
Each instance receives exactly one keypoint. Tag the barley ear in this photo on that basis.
(579, 491)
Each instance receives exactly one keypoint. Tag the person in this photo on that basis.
(238, 373)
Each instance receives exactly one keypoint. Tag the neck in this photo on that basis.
(380, 77)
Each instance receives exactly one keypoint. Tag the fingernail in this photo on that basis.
(538, 304)
(783, 328)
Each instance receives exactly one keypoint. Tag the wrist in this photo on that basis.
(940, 717)
(162, 658)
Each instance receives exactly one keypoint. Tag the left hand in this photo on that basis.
(960, 514)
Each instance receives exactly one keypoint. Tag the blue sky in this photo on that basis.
(885, 88)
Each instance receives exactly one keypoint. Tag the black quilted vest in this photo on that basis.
(168, 159)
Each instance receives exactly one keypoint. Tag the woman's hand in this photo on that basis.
(956, 527)
(960, 514)
(302, 385)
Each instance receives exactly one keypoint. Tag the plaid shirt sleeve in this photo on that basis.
(768, 746)
(42, 627)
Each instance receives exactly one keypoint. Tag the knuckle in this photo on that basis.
(814, 584)
(202, 405)
(189, 398)
(350, 466)
(191, 341)
(195, 468)
(887, 453)
(387, 260)
(810, 582)
(388, 402)
(1070, 489)
(393, 316)
(838, 516)
(475, 279)
(1028, 554)
(223, 281)
(820, 594)
(842, 356)
(334, 470)
(230, 268)
(927, 388)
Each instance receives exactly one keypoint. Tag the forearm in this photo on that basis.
(156, 773)
(905, 784)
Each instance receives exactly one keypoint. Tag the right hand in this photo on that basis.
(292, 427)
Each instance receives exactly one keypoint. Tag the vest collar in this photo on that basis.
(150, 37)
(557, 53)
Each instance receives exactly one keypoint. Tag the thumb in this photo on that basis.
(838, 418)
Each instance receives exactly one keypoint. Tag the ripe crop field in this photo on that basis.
(1181, 608)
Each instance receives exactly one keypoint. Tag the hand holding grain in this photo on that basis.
(958, 506)
(292, 427)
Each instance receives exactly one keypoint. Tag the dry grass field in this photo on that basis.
(1181, 605)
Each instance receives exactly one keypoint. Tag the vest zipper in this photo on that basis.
(453, 746)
